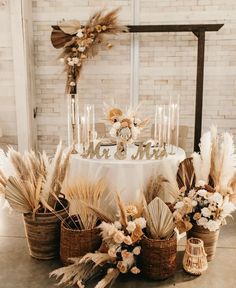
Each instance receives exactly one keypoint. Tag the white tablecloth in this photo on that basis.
(128, 177)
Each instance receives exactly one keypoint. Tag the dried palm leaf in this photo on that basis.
(154, 187)
(162, 223)
(185, 174)
(18, 197)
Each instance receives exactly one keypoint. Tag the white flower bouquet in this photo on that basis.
(203, 206)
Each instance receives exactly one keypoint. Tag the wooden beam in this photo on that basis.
(173, 28)
(199, 89)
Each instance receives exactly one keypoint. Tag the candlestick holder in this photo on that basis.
(73, 122)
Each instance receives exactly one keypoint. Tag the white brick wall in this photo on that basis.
(167, 64)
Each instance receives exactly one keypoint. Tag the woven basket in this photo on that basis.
(43, 232)
(209, 239)
(75, 243)
(158, 257)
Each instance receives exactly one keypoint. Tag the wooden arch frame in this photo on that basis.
(199, 30)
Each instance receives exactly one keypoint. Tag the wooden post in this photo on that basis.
(199, 88)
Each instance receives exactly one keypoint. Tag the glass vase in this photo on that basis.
(73, 122)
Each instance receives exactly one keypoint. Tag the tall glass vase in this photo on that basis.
(73, 121)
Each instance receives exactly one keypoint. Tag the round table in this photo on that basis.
(128, 177)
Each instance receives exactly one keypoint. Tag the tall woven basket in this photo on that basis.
(75, 242)
(209, 239)
(158, 257)
(43, 232)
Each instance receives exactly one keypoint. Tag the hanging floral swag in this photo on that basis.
(80, 42)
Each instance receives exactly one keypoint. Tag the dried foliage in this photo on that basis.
(91, 201)
(185, 175)
(80, 42)
(35, 179)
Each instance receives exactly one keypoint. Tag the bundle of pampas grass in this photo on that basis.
(34, 180)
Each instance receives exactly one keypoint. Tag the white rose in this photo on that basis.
(216, 197)
(137, 250)
(141, 222)
(212, 225)
(80, 33)
(75, 60)
(194, 203)
(71, 63)
(179, 205)
(116, 125)
(131, 226)
(206, 212)
(202, 221)
(81, 48)
(202, 193)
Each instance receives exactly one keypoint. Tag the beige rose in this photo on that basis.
(122, 267)
(118, 237)
(112, 252)
(131, 210)
(137, 250)
(126, 255)
(135, 270)
(197, 216)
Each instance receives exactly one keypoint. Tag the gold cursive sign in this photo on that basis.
(95, 152)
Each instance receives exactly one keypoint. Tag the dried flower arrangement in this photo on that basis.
(32, 182)
(79, 42)
(120, 248)
(207, 196)
(126, 127)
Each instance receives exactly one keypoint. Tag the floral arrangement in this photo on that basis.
(126, 127)
(80, 42)
(32, 182)
(207, 193)
(120, 248)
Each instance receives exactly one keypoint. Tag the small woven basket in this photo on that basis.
(195, 260)
(43, 232)
(158, 257)
(75, 242)
(209, 239)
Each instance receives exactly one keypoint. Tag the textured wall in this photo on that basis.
(167, 64)
(7, 100)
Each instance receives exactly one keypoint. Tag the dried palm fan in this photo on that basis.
(159, 219)
(185, 174)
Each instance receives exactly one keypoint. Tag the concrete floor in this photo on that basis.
(19, 270)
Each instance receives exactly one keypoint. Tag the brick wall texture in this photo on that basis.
(167, 65)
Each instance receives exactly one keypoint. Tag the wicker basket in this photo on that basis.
(209, 239)
(158, 257)
(43, 232)
(195, 260)
(75, 243)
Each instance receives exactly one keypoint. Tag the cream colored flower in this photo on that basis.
(80, 33)
(118, 237)
(179, 205)
(71, 63)
(131, 226)
(72, 83)
(128, 240)
(141, 222)
(122, 266)
(213, 225)
(197, 216)
(131, 210)
(112, 252)
(75, 60)
(216, 197)
(126, 255)
(116, 125)
(137, 250)
(81, 48)
(135, 270)
(202, 193)
(202, 221)
(206, 212)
